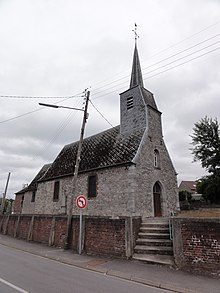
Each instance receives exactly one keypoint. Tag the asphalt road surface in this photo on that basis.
(24, 272)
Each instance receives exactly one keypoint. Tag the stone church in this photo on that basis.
(124, 171)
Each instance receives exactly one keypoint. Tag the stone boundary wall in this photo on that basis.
(101, 235)
(196, 244)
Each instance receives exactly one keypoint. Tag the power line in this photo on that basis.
(100, 92)
(187, 49)
(183, 57)
(39, 97)
(168, 48)
(160, 61)
(184, 62)
(101, 114)
(165, 66)
(31, 112)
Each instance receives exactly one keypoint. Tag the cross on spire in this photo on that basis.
(135, 33)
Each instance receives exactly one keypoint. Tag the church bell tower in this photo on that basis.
(134, 101)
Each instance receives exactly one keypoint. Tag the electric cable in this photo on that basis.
(31, 112)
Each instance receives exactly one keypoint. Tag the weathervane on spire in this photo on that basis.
(135, 33)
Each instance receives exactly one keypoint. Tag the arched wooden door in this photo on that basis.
(157, 200)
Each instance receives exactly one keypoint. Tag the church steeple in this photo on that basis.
(136, 101)
(136, 75)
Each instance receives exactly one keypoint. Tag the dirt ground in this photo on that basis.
(200, 213)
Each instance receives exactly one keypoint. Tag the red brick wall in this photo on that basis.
(102, 235)
(11, 225)
(105, 236)
(23, 228)
(60, 231)
(197, 245)
(41, 229)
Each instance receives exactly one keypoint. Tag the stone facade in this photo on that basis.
(28, 206)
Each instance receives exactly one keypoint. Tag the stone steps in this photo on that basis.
(155, 225)
(154, 235)
(154, 259)
(153, 244)
(146, 229)
(164, 250)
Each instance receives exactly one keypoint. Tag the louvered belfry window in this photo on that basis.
(92, 186)
(130, 103)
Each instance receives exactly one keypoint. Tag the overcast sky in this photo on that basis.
(52, 48)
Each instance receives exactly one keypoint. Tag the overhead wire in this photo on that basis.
(158, 53)
(167, 65)
(109, 88)
(211, 51)
(184, 57)
(114, 87)
(173, 45)
(39, 97)
(100, 113)
(36, 110)
(57, 132)
(160, 61)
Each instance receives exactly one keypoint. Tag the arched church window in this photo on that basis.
(157, 188)
(156, 159)
(157, 200)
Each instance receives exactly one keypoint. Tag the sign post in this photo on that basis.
(81, 204)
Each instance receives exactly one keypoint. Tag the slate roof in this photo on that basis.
(136, 75)
(23, 190)
(105, 149)
(137, 80)
(149, 98)
(33, 185)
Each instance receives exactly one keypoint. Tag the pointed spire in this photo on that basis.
(136, 75)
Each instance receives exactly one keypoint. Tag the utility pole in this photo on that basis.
(75, 175)
(4, 194)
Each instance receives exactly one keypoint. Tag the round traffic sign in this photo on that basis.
(81, 202)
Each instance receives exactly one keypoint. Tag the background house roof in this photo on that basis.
(105, 149)
(188, 185)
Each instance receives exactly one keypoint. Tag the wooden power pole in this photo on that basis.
(4, 194)
(75, 176)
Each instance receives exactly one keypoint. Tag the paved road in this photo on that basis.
(24, 272)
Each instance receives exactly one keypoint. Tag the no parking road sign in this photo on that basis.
(81, 202)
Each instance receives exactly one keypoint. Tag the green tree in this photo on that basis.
(185, 195)
(206, 144)
(209, 187)
(206, 149)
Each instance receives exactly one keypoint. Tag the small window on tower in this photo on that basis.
(156, 159)
(130, 103)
